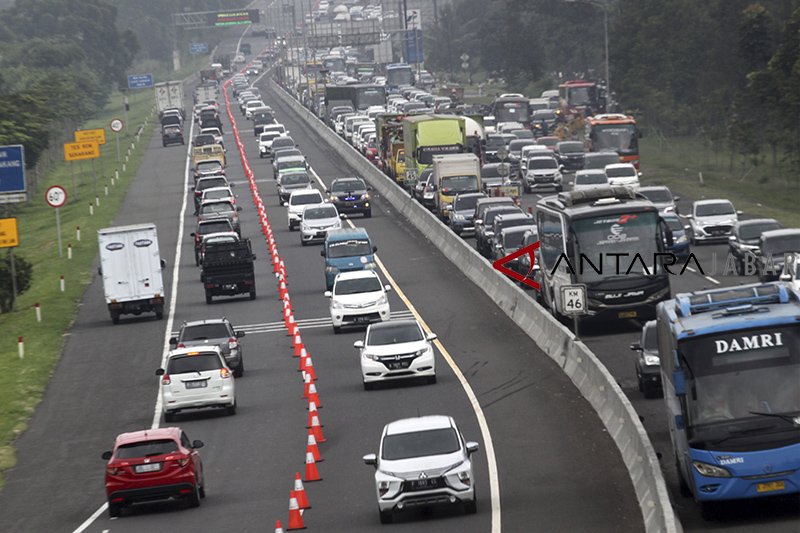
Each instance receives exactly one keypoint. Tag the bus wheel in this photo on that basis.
(686, 492)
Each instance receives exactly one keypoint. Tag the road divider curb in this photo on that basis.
(584, 369)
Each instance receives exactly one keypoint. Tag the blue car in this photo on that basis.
(680, 241)
(346, 250)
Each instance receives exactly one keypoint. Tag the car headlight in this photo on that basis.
(370, 266)
(364, 196)
(383, 300)
(420, 353)
(705, 469)
(305, 228)
(331, 270)
(337, 305)
(652, 360)
(369, 356)
(459, 218)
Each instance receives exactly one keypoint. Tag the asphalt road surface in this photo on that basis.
(558, 470)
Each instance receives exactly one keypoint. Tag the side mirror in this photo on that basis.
(328, 294)
(498, 245)
(689, 216)
(193, 234)
(676, 198)
(374, 249)
(160, 372)
(738, 212)
(173, 340)
(636, 347)
(285, 204)
(342, 216)
(359, 345)
(472, 447)
(197, 444)
(639, 174)
(163, 263)
(387, 288)
(322, 252)
(370, 459)
(106, 455)
(327, 191)
(240, 334)
(254, 257)
(431, 337)
(239, 209)
(369, 187)
(477, 221)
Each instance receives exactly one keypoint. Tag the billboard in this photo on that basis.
(233, 17)
(140, 81)
(12, 169)
(414, 52)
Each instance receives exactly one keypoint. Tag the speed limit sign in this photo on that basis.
(573, 299)
(55, 196)
(116, 125)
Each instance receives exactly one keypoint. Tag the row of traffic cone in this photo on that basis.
(298, 500)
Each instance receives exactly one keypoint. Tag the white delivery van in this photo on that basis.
(131, 266)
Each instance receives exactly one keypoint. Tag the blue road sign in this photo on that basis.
(12, 169)
(198, 48)
(413, 47)
(140, 81)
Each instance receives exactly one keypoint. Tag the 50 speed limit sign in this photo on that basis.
(573, 299)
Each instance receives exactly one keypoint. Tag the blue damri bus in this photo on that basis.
(730, 368)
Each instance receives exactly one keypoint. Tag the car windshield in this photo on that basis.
(204, 139)
(542, 163)
(349, 248)
(283, 142)
(570, 147)
(268, 136)
(356, 286)
(466, 202)
(209, 183)
(591, 178)
(454, 184)
(327, 211)
(394, 334)
(714, 209)
(186, 364)
(544, 114)
(513, 239)
(214, 227)
(147, 448)
(204, 331)
(488, 217)
(781, 245)
(494, 142)
(294, 179)
(754, 231)
(674, 223)
(620, 172)
(599, 160)
(348, 186)
(209, 166)
(305, 199)
(216, 195)
(650, 338)
(515, 147)
(661, 196)
(217, 207)
(420, 444)
(291, 163)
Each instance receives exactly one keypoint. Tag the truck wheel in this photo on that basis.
(159, 313)
(253, 294)
(239, 372)
(115, 317)
(208, 297)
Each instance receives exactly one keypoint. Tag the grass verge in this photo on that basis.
(22, 381)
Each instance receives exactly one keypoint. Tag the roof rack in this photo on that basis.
(733, 299)
(589, 196)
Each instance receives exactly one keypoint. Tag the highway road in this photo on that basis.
(558, 470)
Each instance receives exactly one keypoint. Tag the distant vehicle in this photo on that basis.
(614, 132)
(454, 174)
(346, 250)
(623, 175)
(508, 242)
(316, 221)
(583, 97)
(424, 461)
(512, 108)
(599, 160)
(774, 246)
(213, 332)
(292, 180)
(153, 464)
(357, 299)
(460, 217)
(661, 197)
(502, 222)
(228, 270)
(172, 134)
(218, 193)
(350, 195)
(543, 172)
(570, 154)
(711, 220)
(196, 378)
(169, 94)
(284, 142)
(298, 201)
(648, 365)
(131, 266)
(745, 239)
(589, 179)
(212, 209)
(484, 231)
(396, 349)
(206, 183)
(208, 227)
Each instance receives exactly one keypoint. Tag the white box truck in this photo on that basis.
(131, 266)
(454, 174)
(169, 94)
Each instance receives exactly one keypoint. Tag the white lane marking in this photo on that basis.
(88, 521)
(712, 280)
(305, 323)
(690, 269)
(491, 460)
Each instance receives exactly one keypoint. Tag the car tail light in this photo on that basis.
(224, 373)
(165, 379)
(181, 345)
(232, 344)
(113, 470)
(183, 461)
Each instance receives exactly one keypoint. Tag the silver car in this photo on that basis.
(711, 220)
(213, 332)
(422, 462)
(315, 222)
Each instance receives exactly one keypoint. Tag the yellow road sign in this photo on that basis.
(9, 236)
(81, 150)
(98, 135)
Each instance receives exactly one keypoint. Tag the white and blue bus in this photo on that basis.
(730, 367)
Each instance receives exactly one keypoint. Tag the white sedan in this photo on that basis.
(358, 298)
(396, 349)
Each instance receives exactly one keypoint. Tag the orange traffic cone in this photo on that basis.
(316, 428)
(312, 412)
(312, 393)
(309, 367)
(312, 447)
(298, 344)
(282, 290)
(295, 330)
(303, 357)
(306, 384)
(278, 527)
(295, 516)
(311, 469)
(291, 324)
(300, 492)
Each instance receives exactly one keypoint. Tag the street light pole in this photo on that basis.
(608, 71)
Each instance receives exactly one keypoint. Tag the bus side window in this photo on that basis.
(550, 235)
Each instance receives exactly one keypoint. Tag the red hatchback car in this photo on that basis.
(153, 465)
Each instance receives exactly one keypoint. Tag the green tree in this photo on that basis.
(24, 275)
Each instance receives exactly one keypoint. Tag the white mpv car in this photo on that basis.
(396, 349)
(358, 298)
(299, 200)
(195, 378)
(422, 462)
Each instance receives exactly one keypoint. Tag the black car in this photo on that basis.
(523, 264)
(205, 227)
(204, 139)
(502, 222)
(570, 154)
(648, 364)
(350, 195)
(494, 142)
(484, 229)
(599, 160)
(172, 134)
(744, 239)
(460, 217)
(281, 143)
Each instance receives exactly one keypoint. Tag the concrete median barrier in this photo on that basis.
(589, 375)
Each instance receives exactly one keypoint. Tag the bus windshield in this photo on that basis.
(399, 76)
(581, 96)
(610, 242)
(512, 111)
(621, 138)
(370, 96)
(455, 184)
(739, 372)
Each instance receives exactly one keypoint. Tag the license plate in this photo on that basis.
(152, 467)
(771, 486)
(362, 319)
(196, 384)
(424, 484)
(399, 365)
(627, 314)
(230, 286)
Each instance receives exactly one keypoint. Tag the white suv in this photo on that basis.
(194, 378)
(396, 349)
(298, 201)
(423, 461)
(623, 174)
(711, 220)
(358, 298)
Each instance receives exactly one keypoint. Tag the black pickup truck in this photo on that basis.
(228, 270)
